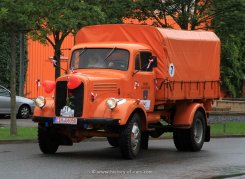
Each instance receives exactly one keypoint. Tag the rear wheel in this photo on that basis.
(47, 140)
(191, 139)
(130, 138)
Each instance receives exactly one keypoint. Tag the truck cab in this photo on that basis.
(120, 72)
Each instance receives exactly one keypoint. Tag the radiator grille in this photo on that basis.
(75, 97)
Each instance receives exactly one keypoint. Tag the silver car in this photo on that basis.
(24, 106)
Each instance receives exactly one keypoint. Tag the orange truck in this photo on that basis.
(128, 82)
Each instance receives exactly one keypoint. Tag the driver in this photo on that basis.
(95, 62)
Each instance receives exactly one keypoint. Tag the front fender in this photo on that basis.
(47, 111)
(122, 112)
(185, 113)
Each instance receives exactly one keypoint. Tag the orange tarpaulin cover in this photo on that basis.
(192, 55)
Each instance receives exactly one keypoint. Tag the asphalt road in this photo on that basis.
(96, 159)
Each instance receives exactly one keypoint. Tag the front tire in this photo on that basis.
(47, 140)
(130, 138)
(191, 139)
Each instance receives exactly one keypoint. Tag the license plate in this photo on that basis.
(65, 120)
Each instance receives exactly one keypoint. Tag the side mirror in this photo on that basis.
(54, 61)
(154, 63)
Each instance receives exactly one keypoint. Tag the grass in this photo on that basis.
(23, 133)
(228, 128)
(218, 129)
(222, 129)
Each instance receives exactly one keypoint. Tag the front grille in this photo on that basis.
(73, 97)
(60, 97)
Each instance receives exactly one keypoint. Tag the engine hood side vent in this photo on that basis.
(105, 87)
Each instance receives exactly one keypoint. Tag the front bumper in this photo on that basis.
(80, 121)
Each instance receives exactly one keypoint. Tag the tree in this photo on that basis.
(58, 18)
(114, 10)
(14, 17)
(188, 14)
(229, 25)
(5, 59)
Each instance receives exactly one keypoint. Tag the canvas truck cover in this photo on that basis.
(182, 55)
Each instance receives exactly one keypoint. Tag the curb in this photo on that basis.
(18, 141)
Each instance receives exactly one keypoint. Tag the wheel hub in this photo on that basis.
(135, 136)
(198, 130)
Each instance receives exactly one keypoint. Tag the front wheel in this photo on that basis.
(191, 139)
(130, 138)
(47, 140)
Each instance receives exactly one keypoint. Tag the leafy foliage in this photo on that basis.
(5, 67)
(14, 18)
(229, 25)
(114, 10)
(16, 15)
(188, 14)
(4, 60)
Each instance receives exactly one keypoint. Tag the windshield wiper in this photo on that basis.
(110, 53)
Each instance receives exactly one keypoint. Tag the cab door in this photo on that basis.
(144, 80)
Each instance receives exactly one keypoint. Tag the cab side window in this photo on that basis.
(142, 61)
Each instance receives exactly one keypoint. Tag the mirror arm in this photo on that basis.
(56, 66)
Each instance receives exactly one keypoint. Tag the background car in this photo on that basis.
(24, 106)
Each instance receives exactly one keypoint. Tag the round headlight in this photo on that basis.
(40, 101)
(111, 103)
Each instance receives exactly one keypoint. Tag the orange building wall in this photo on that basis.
(40, 67)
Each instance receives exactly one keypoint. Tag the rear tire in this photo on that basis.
(130, 138)
(47, 140)
(191, 139)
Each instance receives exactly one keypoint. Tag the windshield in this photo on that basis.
(106, 58)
